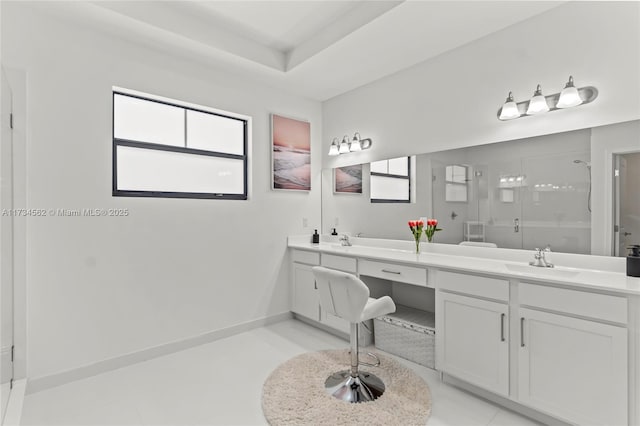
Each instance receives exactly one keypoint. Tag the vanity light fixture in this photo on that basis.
(347, 145)
(570, 96)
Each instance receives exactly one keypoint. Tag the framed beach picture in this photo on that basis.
(348, 179)
(291, 157)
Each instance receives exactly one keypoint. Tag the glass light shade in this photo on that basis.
(355, 145)
(344, 145)
(333, 149)
(569, 97)
(509, 109)
(538, 103)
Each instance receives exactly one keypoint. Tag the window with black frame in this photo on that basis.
(165, 148)
(390, 180)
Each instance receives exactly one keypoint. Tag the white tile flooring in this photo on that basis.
(220, 383)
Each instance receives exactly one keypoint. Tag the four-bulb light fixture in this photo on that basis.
(569, 97)
(349, 145)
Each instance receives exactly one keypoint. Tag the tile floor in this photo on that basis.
(220, 383)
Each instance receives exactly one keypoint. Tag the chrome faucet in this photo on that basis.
(540, 259)
(344, 240)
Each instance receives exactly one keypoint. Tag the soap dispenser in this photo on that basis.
(633, 261)
(334, 232)
(315, 238)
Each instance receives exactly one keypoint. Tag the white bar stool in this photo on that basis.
(347, 297)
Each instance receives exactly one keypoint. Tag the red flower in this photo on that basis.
(419, 223)
(432, 227)
(412, 224)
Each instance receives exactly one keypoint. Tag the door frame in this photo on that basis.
(617, 161)
(18, 82)
(607, 141)
(6, 244)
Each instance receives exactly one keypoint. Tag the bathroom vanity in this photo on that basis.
(560, 343)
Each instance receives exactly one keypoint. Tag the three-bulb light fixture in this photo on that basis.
(569, 97)
(349, 145)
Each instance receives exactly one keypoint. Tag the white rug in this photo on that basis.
(294, 394)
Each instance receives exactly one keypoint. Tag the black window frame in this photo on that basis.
(391, 175)
(172, 148)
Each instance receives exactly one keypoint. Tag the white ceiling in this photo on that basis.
(316, 49)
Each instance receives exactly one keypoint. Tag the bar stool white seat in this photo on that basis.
(346, 296)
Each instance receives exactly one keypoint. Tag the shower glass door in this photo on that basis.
(556, 202)
(505, 186)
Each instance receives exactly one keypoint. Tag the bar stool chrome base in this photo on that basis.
(362, 388)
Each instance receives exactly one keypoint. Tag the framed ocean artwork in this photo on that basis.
(291, 153)
(348, 179)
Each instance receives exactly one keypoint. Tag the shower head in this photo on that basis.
(586, 163)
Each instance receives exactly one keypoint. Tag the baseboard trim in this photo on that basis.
(47, 382)
(13, 415)
(321, 326)
(505, 402)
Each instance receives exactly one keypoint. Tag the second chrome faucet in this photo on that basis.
(344, 240)
(540, 259)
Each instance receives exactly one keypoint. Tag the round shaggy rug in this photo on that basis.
(294, 394)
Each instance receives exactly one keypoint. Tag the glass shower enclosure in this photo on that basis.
(525, 194)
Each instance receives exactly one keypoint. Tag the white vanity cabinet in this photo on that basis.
(567, 357)
(571, 367)
(305, 297)
(559, 345)
(472, 337)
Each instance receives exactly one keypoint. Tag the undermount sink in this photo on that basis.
(536, 270)
(340, 247)
(368, 248)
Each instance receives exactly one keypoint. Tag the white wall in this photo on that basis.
(98, 288)
(451, 100)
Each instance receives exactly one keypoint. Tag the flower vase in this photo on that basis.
(417, 246)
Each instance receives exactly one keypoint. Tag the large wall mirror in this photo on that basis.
(520, 194)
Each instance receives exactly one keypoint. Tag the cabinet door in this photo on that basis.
(472, 340)
(305, 294)
(335, 322)
(573, 369)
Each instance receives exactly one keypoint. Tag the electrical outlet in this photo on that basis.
(337, 221)
(305, 222)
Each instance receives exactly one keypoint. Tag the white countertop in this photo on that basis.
(585, 271)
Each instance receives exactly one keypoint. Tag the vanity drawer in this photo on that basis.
(394, 272)
(308, 257)
(598, 306)
(492, 288)
(341, 263)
